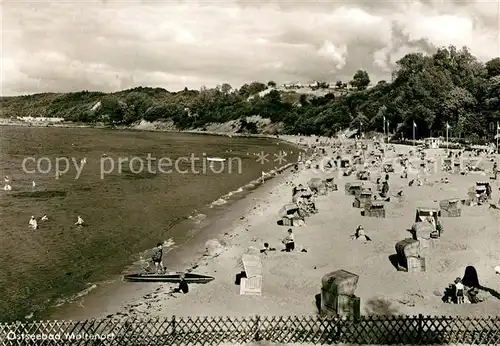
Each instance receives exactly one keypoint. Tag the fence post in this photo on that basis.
(339, 323)
(420, 327)
(256, 332)
(174, 328)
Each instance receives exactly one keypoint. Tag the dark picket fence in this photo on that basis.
(382, 330)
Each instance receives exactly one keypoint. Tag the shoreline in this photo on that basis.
(136, 128)
(217, 208)
(182, 256)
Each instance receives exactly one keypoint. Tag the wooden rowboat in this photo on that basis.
(190, 278)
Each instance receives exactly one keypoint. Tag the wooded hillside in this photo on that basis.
(450, 86)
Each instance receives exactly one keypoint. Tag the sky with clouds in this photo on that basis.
(109, 45)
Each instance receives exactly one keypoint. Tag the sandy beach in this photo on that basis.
(291, 280)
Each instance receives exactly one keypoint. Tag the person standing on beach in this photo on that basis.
(157, 257)
(459, 287)
(289, 241)
(385, 189)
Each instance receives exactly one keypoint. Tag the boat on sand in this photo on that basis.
(175, 277)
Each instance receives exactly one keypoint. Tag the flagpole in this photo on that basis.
(384, 130)
(447, 126)
(387, 131)
(497, 136)
(414, 133)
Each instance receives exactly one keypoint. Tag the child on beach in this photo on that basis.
(267, 248)
(459, 291)
(183, 285)
(289, 241)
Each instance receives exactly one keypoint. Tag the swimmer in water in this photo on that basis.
(33, 224)
(79, 222)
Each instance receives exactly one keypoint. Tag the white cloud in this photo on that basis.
(62, 46)
(338, 55)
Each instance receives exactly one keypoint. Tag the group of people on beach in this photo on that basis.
(288, 242)
(157, 260)
(460, 294)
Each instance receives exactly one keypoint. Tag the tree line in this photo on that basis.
(449, 87)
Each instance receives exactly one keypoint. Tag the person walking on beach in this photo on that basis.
(157, 256)
(289, 241)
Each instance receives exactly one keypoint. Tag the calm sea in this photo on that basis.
(129, 187)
